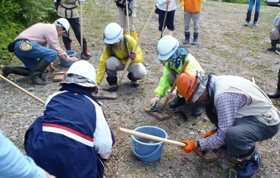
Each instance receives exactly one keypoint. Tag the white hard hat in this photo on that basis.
(166, 46)
(113, 33)
(62, 23)
(86, 75)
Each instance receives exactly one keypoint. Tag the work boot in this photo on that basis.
(197, 109)
(273, 45)
(112, 81)
(248, 18)
(256, 18)
(15, 70)
(195, 36)
(134, 81)
(134, 35)
(37, 71)
(187, 38)
(178, 101)
(85, 54)
(67, 46)
(277, 93)
(247, 168)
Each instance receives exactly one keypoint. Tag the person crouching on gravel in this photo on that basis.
(72, 138)
(31, 48)
(240, 112)
(275, 34)
(117, 51)
(173, 57)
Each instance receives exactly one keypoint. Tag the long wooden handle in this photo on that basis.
(127, 17)
(174, 85)
(164, 20)
(151, 137)
(136, 46)
(21, 89)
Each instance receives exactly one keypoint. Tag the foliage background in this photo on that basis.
(17, 15)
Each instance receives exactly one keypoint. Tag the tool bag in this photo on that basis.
(121, 4)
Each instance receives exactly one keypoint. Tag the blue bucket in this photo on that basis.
(148, 150)
(65, 63)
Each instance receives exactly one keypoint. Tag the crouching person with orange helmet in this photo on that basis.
(118, 50)
(72, 138)
(173, 57)
(240, 111)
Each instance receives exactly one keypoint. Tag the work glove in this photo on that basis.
(190, 145)
(207, 134)
(154, 101)
(132, 55)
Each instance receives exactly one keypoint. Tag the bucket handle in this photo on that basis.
(145, 156)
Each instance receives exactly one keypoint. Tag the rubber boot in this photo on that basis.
(256, 18)
(67, 46)
(134, 35)
(133, 79)
(248, 166)
(277, 92)
(248, 18)
(197, 109)
(112, 83)
(178, 101)
(187, 38)
(273, 45)
(85, 54)
(15, 70)
(195, 37)
(37, 71)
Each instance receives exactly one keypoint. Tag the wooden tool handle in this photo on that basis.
(174, 85)
(21, 89)
(151, 137)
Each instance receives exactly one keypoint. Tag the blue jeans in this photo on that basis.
(251, 5)
(38, 52)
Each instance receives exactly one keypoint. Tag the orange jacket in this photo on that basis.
(192, 6)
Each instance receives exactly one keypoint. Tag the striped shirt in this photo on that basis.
(227, 105)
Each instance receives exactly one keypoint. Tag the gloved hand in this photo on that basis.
(190, 145)
(207, 134)
(154, 101)
(171, 95)
(132, 55)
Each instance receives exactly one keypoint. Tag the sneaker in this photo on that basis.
(247, 24)
(248, 168)
(255, 25)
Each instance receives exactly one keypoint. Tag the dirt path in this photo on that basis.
(225, 47)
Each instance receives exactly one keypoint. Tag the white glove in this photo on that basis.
(171, 95)
(154, 101)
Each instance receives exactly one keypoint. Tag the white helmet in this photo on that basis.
(86, 75)
(113, 33)
(62, 23)
(166, 46)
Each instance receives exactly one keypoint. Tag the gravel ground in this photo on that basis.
(225, 47)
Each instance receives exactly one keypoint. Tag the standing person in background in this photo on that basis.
(72, 138)
(249, 12)
(192, 10)
(161, 9)
(13, 164)
(121, 4)
(69, 9)
(275, 34)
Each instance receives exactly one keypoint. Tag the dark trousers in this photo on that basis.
(246, 131)
(169, 22)
(75, 25)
